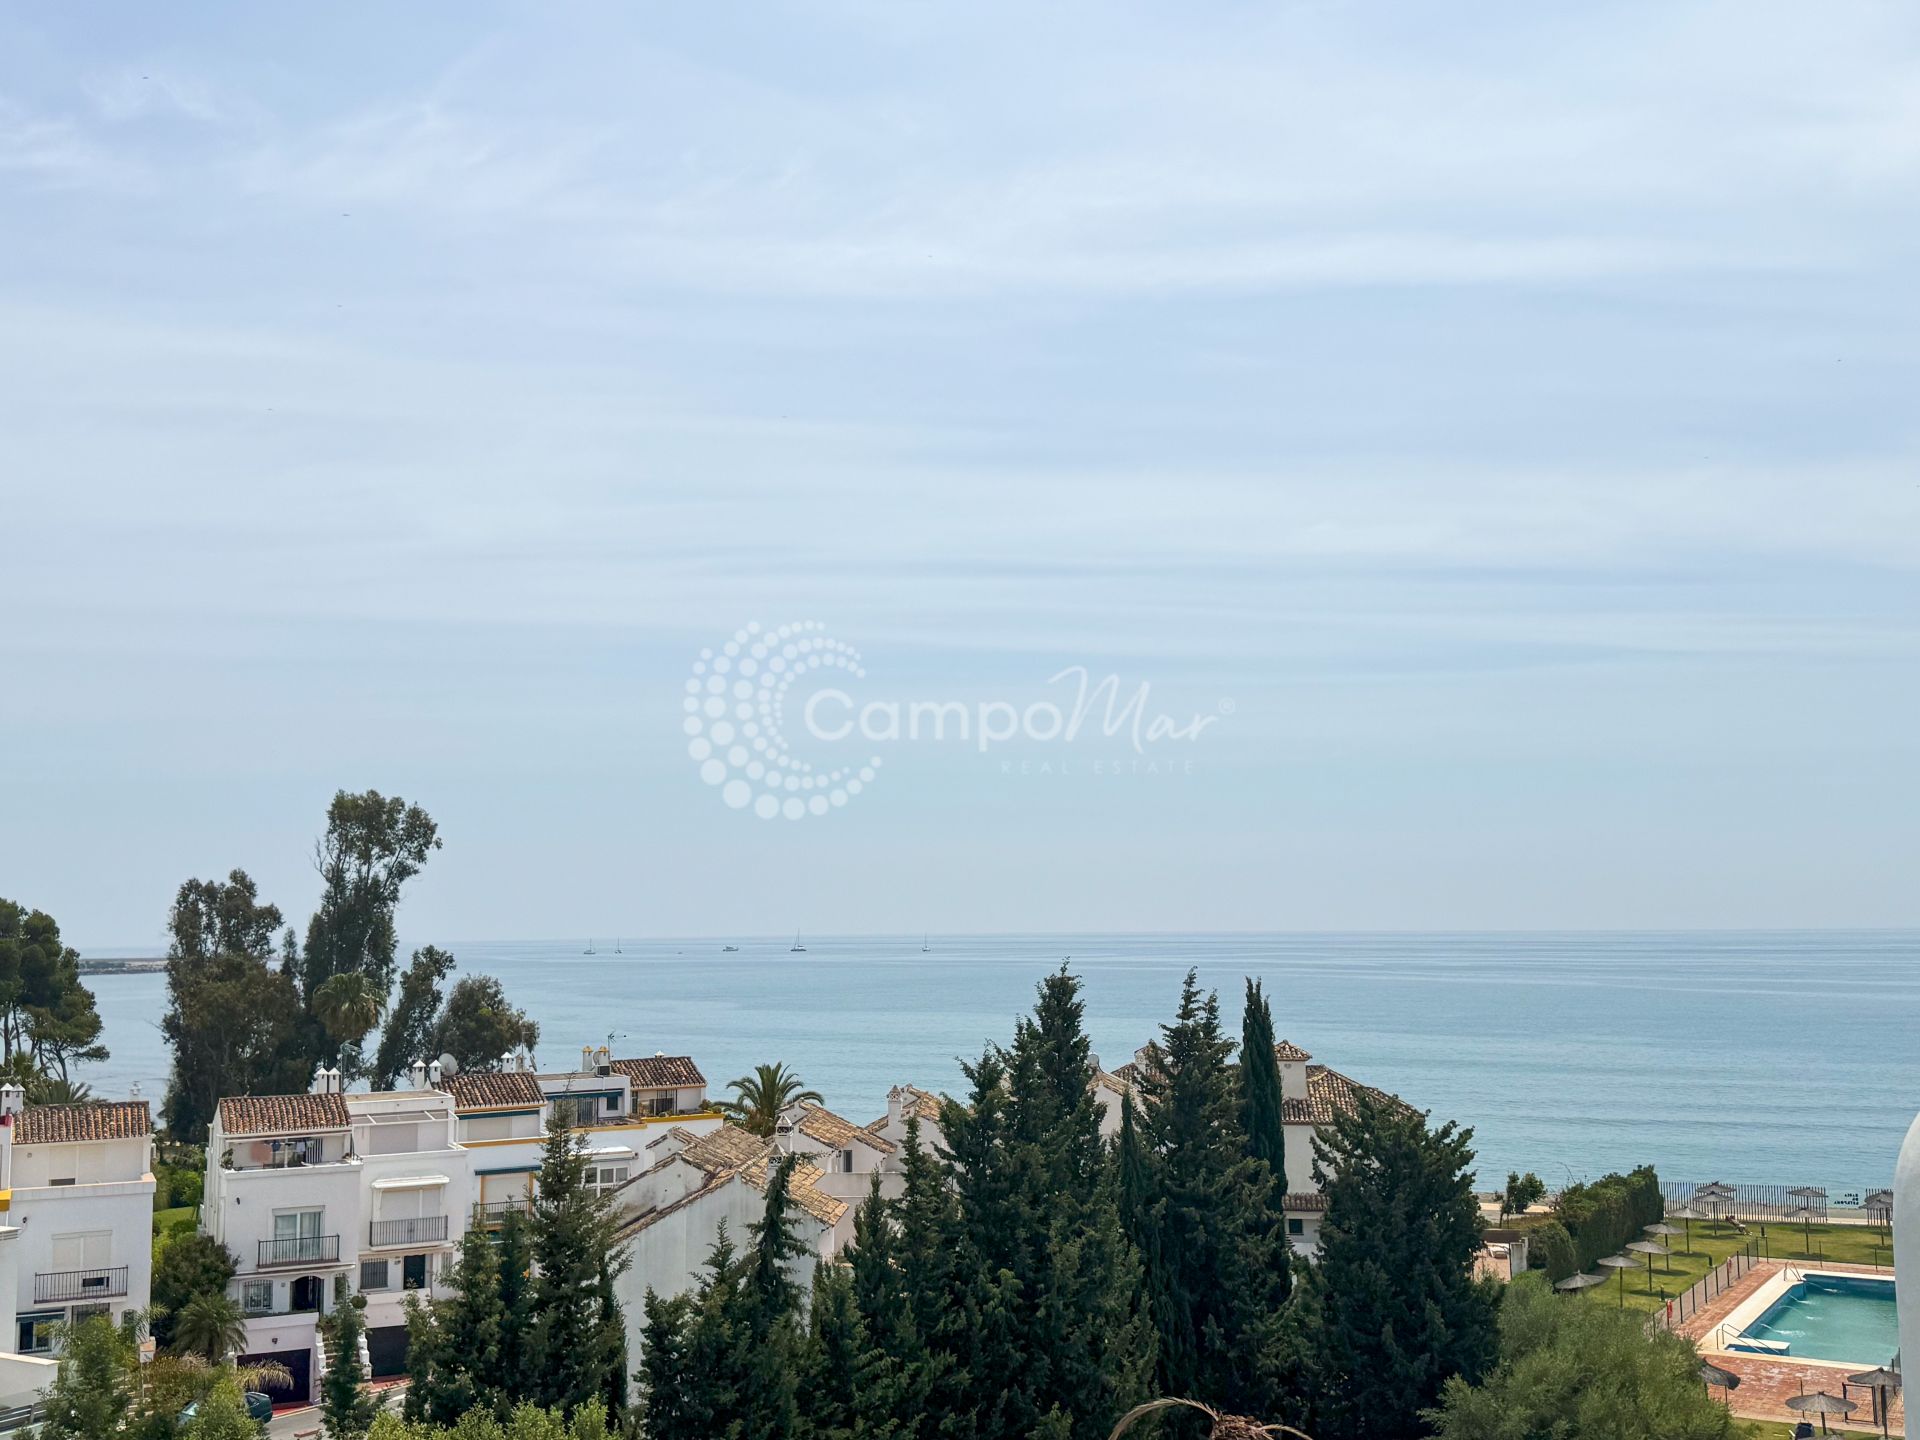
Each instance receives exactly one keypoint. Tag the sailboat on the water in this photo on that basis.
(616, 946)
(925, 948)
(798, 948)
(589, 950)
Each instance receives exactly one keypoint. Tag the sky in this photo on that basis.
(1498, 428)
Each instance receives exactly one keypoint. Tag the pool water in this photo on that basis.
(1831, 1317)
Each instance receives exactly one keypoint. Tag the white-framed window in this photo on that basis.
(605, 1177)
(846, 1162)
(256, 1297)
(373, 1274)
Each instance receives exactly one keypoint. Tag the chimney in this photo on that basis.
(586, 1058)
(896, 1105)
(13, 1100)
(417, 1073)
(333, 1082)
(783, 1137)
(319, 1086)
(433, 1074)
(1093, 1060)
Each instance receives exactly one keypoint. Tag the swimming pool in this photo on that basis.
(1828, 1317)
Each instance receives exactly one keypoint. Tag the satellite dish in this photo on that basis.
(449, 1065)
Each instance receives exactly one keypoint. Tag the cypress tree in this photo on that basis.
(1394, 1307)
(1262, 1119)
(832, 1358)
(517, 1372)
(346, 1408)
(1216, 1259)
(576, 1360)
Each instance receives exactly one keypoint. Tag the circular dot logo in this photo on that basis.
(735, 708)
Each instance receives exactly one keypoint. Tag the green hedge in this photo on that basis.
(1599, 1218)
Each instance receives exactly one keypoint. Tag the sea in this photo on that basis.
(1754, 1058)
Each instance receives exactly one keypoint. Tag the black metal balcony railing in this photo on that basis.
(415, 1230)
(494, 1212)
(300, 1250)
(61, 1286)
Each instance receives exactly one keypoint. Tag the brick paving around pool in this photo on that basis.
(1767, 1381)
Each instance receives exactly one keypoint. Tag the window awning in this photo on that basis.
(411, 1182)
(611, 1151)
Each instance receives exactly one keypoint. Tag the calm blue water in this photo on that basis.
(1834, 1319)
(1754, 1058)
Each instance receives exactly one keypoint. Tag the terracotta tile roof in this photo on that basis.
(1107, 1080)
(831, 1129)
(1287, 1050)
(102, 1120)
(1330, 1093)
(514, 1089)
(731, 1152)
(282, 1114)
(727, 1148)
(661, 1072)
(1303, 1200)
(923, 1103)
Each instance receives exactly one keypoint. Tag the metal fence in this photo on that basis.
(1709, 1287)
(1778, 1202)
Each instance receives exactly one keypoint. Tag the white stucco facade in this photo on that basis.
(1906, 1256)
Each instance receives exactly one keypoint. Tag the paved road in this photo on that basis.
(304, 1423)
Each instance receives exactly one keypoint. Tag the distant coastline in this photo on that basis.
(145, 965)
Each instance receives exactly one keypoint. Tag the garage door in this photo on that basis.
(387, 1349)
(298, 1362)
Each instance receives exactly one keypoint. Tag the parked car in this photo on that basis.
(259, 1406)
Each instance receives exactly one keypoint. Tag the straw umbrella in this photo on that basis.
(1622, 1263)
(1715, 1197)
(1882, 1383)
(1879, 1205)
(1649, 1249)
(1689, 1215)
(1822, 1404)
(1804, 1214)
(1573, 1284)
(1661, 1231)
(1714, 1375)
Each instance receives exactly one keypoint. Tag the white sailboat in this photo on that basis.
(798, 948)
(589, 950)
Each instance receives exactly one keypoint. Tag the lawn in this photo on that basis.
(163, 1220)
(1851, 1244)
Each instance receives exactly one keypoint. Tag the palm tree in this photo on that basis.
(759, 1098)
(210, 1326)
(349, 1006)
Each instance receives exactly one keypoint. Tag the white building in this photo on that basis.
(323, 1194)
(616, 1106)
(76, 1191)
(904, 1101)
(846, 1156)
(691, 1185)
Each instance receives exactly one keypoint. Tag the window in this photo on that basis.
(84, 1250)
(36, 1331)
(297, 1224)
(81, 1312)
(373, 1274)
(256, 1297)
(1296, 1227)
(846, 1162)
(605, 1177)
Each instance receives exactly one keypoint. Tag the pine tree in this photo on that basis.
(346, 1407)
(575, 1257)
(1216, 1260)
(1394, 1308)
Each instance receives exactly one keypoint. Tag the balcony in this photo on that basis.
(299, 1250)
(418, 1230)
(494, 1212)
(60, 1287)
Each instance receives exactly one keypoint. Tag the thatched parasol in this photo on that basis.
(1879, 1206)
(1882, 1382)
(1649, 1248)
(1622, 1263)
(1712, 1374)
(1574, 1283)
(1804, 1214)
(1687, 1214)
(1225, 1427)
(1822, 1404)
